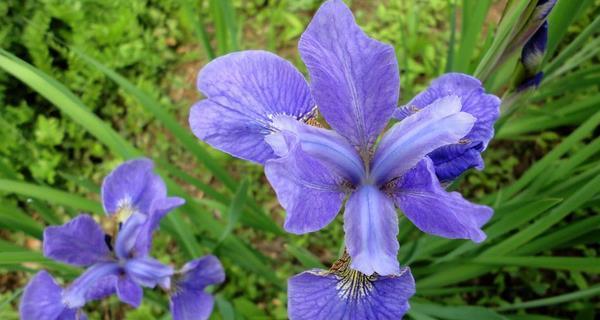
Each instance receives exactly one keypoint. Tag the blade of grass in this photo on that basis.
(572, 48)
(195, 19)
(501, 40)
(474, 14)
(66, 101)
(182, 134)
(304, 256)
(581, 294)
(235, 209)
(584, 130)
(591, 265)
(559, 20)
(16, 220)
(570, 204)
(452, 40)
(50, 195)
(509, 221)
(456, 313)
(556, 238)
(11, 258)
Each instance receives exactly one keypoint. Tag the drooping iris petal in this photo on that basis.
(484, 107)
(79, 242)
(310, 192)
(199, 273)
(189, 301)
(331, 149)
(78, 292)
(245, 90)
(436, 211)
(323, 295)
(371, 226)
(148, 272)
(191, 305)
(158, 210)
(128, 236)
(103, 288)
(452, 160)
(129, 292)
(132, 186)
(354, 79)
(408, 141)
(42, 299)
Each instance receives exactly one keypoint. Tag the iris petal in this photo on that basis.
(199, 273)
(132, 186)
(331, 149)
(191, 305)
(245, 90)
(371, 226)
(435, 211)
(129, 292)
(408, 141)
(354, 79)
(321, 295)
(79, 242)
(77, 293)
(475, 101)
(42, 299)
(309, 191)
(148, 272)
(128, 235)
(158, 210)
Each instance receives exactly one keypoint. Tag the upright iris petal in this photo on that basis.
(132, 187)
(346, 294)
(246, 91)
(354, 79)
(189, 301)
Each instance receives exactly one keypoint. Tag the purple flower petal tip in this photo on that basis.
(348, 294)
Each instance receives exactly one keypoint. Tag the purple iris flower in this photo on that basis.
(188, 299)
(137, 199)
(257, 107)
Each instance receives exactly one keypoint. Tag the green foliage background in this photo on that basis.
(158, 46)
